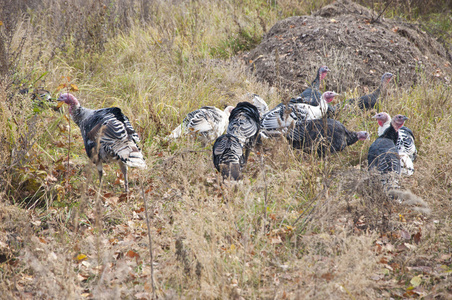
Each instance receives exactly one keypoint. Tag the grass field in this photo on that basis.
(296, 227)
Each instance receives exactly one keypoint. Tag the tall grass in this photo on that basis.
(296, 227)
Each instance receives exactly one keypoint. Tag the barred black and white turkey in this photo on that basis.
(323, 135)
(384, 156)
(370, 100)
(108, 136)
(206, 123)
(228, 156)
(244, 123)
(283, 116)
(405, 143)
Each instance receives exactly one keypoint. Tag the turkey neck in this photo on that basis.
(351, 137)
(391, 134)
(79, 113)
(323, 105)
(316, 83)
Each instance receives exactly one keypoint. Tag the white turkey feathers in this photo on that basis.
(207, 123)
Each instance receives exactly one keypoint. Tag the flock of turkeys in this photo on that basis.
(307, 122)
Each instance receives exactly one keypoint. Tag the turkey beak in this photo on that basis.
(405, 118)
(60, 103)
(374, 117)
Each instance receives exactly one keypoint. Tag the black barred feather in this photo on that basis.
(405, 142)
(108, 136)
(228, 157)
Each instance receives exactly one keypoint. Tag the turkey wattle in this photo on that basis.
(322, 135)
(107, 135)
(207, 123)
(283, 116)
(370, 100)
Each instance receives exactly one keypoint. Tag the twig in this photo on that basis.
(309, 216)
(310, 204)
(98, 226)
(378, 17)
(149, 236)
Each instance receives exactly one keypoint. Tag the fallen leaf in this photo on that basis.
(405, 234)
(60, 87)
(327, 276)
(276, 240)
(417, 237)
(81, 257)
(132, 254)
(74, 88)
(416, 281)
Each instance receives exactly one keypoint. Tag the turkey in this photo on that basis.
(312, 95)
(244, 123)
(207, 123)
(283, 116)
(107, 135)
(370, 100)
(261, 105)
(383, 153)
(405, 143)
(322, 135)
(228, 158)
(39, 96)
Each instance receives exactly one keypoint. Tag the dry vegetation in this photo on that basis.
(296, 226)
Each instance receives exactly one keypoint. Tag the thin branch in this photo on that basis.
(149, 236)
(384, 9)
(309, 205)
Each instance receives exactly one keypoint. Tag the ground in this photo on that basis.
(297, 226)
(354, 44)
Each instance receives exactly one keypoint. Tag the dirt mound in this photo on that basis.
(358, 51)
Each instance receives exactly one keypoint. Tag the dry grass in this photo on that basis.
(295, 227)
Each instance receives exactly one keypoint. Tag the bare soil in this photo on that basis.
(358, 50)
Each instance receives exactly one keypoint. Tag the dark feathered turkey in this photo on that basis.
(370, 100)
(244, 124)
(228, 158)
(383, 154)
(405, 143)
(312, 94)
(323, 135)
(107, 135)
